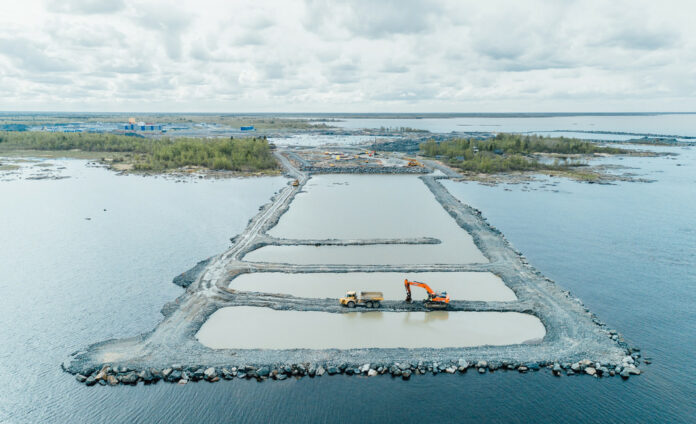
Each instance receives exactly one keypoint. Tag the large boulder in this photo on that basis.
(210, 373)
(226, 374)
(173, 376)
(198, 374)
(131, 378)
(146, 376)
(633, 370)
(533, 366)
(557, 370)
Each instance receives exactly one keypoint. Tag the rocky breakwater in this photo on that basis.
(114, 375)
(576, 341)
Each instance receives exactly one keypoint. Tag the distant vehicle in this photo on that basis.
(366, 298)
(413, 162)
(296, 183)
(247, 128)
(435, 300)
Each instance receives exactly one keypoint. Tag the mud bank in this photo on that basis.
(575, 342)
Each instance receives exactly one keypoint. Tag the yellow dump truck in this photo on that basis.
(366, 298)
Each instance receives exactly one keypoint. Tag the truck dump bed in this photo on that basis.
(372, 295)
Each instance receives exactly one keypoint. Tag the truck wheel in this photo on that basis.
(351, 304)
(369, 305)
(377, 305)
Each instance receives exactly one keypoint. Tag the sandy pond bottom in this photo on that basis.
(481, 286)
(247, 327)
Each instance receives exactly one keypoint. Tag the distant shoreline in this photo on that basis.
(354, 115)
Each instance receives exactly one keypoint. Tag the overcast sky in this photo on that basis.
(353, 56)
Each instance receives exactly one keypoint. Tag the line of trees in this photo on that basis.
(508, 152)
(243, 154)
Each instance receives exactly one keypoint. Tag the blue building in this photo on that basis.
(142, 127)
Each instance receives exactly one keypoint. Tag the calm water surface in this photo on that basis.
(681, 125)
(364, 207)
(627, 250)
(250, 327)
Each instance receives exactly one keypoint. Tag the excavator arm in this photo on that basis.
(408, 284)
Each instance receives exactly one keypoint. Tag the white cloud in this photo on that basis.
(85, 6)
(320, 55)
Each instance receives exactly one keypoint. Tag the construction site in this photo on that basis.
(352, 160)
(376, 273)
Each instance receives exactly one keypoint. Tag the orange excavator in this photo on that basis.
(435, 300)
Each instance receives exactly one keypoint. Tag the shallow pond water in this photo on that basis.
(483, 286)
(248, 327)
(365, 207)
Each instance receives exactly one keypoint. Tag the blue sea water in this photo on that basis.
(627, 250)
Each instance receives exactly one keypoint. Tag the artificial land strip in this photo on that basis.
(576, 341)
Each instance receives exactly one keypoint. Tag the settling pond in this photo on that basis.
(245, 327)
(368, 207)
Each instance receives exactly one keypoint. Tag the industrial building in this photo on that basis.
(142, 126)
